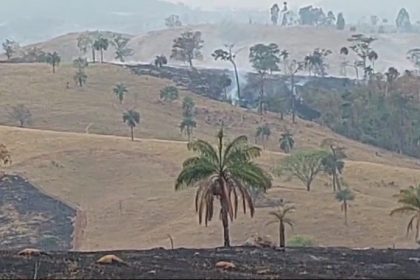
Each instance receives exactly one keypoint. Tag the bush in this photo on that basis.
(300, 241)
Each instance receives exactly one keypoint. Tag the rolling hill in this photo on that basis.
(126, 188)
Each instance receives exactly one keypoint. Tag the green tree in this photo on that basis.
(344, 197)
(86, 41)
(101, 44)
(21, 114)
(287, 142)
(169, 94)
(160, 60)
(304, 165)
(121, 49)
(80, 77)
(341, 23)
(120, 90)
(333, 163)
(292, 68)
(410, 200)
(188, 47)
(10, 47)
(228, 55)
(225, 173)
(315, 62)
(361, 46)
(278, 104)
(263, 133)
(187, 125)
(132, 119)
(54, 60)
(280, 217)
(188, 106)
(264, 59)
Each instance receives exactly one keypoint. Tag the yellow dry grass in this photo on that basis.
(126, 188)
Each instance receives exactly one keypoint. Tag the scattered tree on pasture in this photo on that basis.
(287, 142)
(54, 60)
(121, 50)
(333, 162)
(169, 94)
(281, 218)
(225, 173)
(101, 44)
(344, 196)
(410, 200)
(228, 55)
(132, 119)
(21, 114)
(304, 165)
(10, 47)
(173, 21)
(341, 23)
(160, 60)
(120, 91)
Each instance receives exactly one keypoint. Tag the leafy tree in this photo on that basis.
(264, 59)
(315, 62)
(10, 47)
(21, 114)
(173, 21)
(330, 18)
(188, 47)
(132, 119)
(80, 63)
(410, 200)
(373, 56)
(275, 10)
(226, 173)
(361, 47)
(101, 44)
(169, 94)
(287, 142)
(403, 21)
(160, 60)
(344, 197)
(281, 217)
(304, 165)
(263, 133)
(53, 59)
(121, 50)
(187, 125)
(228, 55)
(278, 104)
(391, 76)
(120, 90)
(341, 23)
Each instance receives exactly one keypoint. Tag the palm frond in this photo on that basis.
(192, 174)
(403, 209)
(204, 149)
(250, 174)
(272, 222)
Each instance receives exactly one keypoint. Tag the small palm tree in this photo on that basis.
(80, 77)
(287, 142)
(225, 173)
(187, 125)
(101, 44)
(120, 90)
(410, 200)
(344, 196)
(132, 119)
(333, 163)
(169, 94)
(280, 217)
(263, 133)
(373, 57)
(53, 59)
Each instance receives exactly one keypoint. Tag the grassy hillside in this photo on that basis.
(126, 188)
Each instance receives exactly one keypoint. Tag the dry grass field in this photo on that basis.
(126, 188)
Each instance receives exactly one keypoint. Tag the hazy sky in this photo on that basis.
(254, 4)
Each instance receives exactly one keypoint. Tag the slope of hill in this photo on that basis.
(126, 188)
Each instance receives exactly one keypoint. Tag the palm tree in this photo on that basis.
(287, 142)
(225, 173)
(280, 217)
(101, 44)
(187, 125)
(344, 196)
(120, 90)
(263, 132)
(132, 119)
(410, 200)
(53, 59)
(373, 56)
(80, 77)
(333, 163)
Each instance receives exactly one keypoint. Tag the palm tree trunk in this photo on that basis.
(102, 56)
(132, 133)
(292, 94)
(345, 212)
(260, 109)
(237, 79)
(93, 55)
(53, 68)
(334, 176)
(225, 222)
(282, 239)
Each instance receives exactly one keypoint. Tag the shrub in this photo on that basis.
(300, 241)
